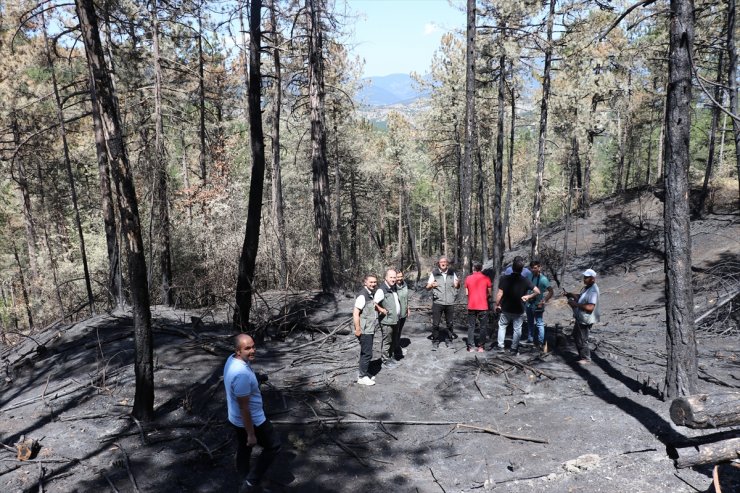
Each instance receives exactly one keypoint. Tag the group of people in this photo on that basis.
(385, 308)
(522, 294)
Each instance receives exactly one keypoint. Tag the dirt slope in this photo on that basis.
(604, 426)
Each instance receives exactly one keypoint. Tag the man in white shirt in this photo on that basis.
(443, 283)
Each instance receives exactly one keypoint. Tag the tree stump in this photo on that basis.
(707, 410)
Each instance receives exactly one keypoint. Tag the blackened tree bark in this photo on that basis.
(160, 169)
(732, 80)
(68, 165)
(466, 168)
(498, 223)
(319, 165)
(21, 178)
(354, 210)
(718, 93)
(248, 259)
(510, 167)
(278, 216)
(537, 209)
(24, 290)
(572, 163)
(128, 208)
(47, 242)
(681, 371)
(115, 280)
(201, 99)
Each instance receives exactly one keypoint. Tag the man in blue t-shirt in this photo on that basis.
(245, 413)
(536, 306)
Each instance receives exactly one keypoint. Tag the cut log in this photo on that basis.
(710, 453)
(707, 410)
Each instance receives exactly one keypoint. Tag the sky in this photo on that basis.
(401, 36)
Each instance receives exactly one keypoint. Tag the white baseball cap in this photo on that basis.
(589, 273)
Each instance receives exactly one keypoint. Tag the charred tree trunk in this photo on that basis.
(718, 96)
(21, 179)
(160, 170)
(510, 166)
(277, 181)
(482, 205)
(466, 168)
(499, 240)
(129, 211)
(537, 209)
(353, 219)
(68, 167)
(47, 241)
(201, 100)
(571, 178)
(707, 410)
(24, 290)
(115, 280)
(732, 81)
(248, 259)
(319, 166)
(710, 453)
(681, 374)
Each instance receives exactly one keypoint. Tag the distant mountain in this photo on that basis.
(389, 90)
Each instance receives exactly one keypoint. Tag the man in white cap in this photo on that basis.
(586, 312)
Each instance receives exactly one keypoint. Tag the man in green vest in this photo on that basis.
(388, 306)
(443, 283)
(402, 290)
(365, 319)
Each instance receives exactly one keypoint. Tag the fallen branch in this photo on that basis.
(710, 453)
(314, 421)
(128, 467)
(505, 435)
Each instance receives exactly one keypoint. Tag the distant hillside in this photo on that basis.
(389, 90)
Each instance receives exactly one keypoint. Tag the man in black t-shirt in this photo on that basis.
(510, 299)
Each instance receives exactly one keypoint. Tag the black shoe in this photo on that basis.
(435, 345)
(499, 349)
(453, 335)
(247, 487)
(515, 352)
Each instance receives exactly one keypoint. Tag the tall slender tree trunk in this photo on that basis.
(510, 167)
(47, 241)
(129, 211)
(319, 166)
(660, 175)
(542, 139)
(499, 239)
(718, 96)
(571, 179)
(115, 279)
(466, 169)
(24, 290)
(482, 203)
(338, 195)
(21, 179)
(248, 259)
(160, 170)
(732, 81)
(681, 372)
(277, 181)
(400, 221)
(201, 99)
(68, 166)
(353, 219)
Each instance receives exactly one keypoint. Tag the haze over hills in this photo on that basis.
(387, 90)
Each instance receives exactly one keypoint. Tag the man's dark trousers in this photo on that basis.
(437, 311)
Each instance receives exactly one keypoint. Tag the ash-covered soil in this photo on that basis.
(444, 421)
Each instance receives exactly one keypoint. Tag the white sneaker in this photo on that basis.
(403, 351)
(366, 381)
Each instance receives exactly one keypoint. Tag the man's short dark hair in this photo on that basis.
(477, 267)
(368, 276)
(518, 265)
(535, 262)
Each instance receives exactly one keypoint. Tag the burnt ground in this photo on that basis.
(571, 428)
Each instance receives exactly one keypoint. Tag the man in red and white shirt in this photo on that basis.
(478, 288)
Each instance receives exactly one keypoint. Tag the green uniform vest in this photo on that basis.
(445, 293)
(389, 303)
(368, 316)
